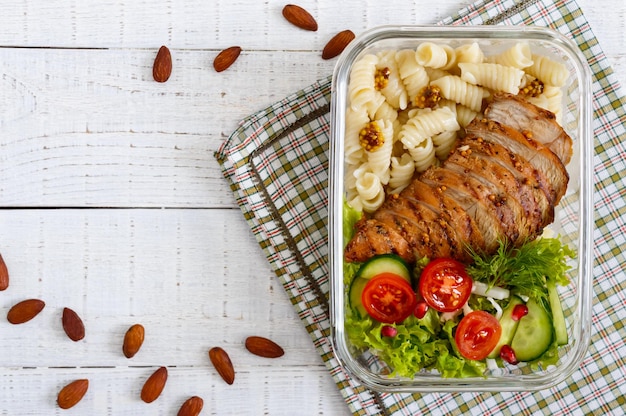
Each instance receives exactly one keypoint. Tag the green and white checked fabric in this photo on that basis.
(276, 163)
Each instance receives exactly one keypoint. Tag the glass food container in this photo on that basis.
(573, 216)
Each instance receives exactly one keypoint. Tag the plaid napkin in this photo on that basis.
(276, 163)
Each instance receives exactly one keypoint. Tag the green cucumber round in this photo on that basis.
(508, 324)
(534, 333)
(384, 263)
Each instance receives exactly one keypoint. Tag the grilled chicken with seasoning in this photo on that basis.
(501, 182)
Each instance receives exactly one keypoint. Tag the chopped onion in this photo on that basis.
(495, 305)
(466, 309)
(446, 316)
(492, 364)
(496, 292)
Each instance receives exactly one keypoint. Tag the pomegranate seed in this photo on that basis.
(508, 355)
(388, 331)
(420, 309)
(519, 311)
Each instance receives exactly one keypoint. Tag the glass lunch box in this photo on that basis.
(573, 216)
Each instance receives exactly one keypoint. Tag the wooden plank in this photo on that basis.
(199, 25)
(91, 128)
(193, 278)
(259, 390)
(179, 272)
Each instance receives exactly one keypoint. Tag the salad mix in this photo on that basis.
(458, 319)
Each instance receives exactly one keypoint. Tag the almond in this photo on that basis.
(73, 325)
(299, 17)
(162, 67)
(264, 347)
(4, 275)
(154, 385)
(337, 44)
(226, 58)
(25, 310)
(191, 407)
(223, 365)
(73, 393)
(133, 340)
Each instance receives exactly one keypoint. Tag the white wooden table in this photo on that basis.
(113, 204)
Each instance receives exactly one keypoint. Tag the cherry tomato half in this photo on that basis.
(477, 335)
(445, 285)
(388, 298)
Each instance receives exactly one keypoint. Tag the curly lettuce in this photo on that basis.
(420, 344)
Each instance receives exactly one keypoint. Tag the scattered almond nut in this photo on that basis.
(25, 310)
(264, 347)
(223, 365)
(73, 325)
(133, 340)
(226, 58)
(299, 17)
(72, 393)
(4, 275)
(337, 44)
(191, 407)
(154, 385)
(162, 67)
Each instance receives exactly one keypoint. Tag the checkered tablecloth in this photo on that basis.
(276, 164)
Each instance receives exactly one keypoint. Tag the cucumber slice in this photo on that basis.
(356, 289)
(384, 263)
(509, 326)
(534, 333)
(560, 330)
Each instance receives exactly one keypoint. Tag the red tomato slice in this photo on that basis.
(477, 335)
(445, 285)
(388, 298)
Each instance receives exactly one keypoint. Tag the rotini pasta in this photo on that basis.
(444, 143)
(385, 111)
(350, 180)
(470, 52)
(413, 75)
(551, 100)
(454, 88)
(421, 149)
(402, 170)
(394, 92)
(555, 98)
(379, 160)
(355, 121)
(451, 58)
(465, 115)
(548, 70)
(431, 55)
(370, 191)
(430, 122)
(517, 56)
(436, 73)
(362, 91)
(493, 76)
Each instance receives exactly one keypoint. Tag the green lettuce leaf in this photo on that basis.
(350, 217)
(420, 344)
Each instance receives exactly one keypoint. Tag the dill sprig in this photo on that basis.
(527, 270)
